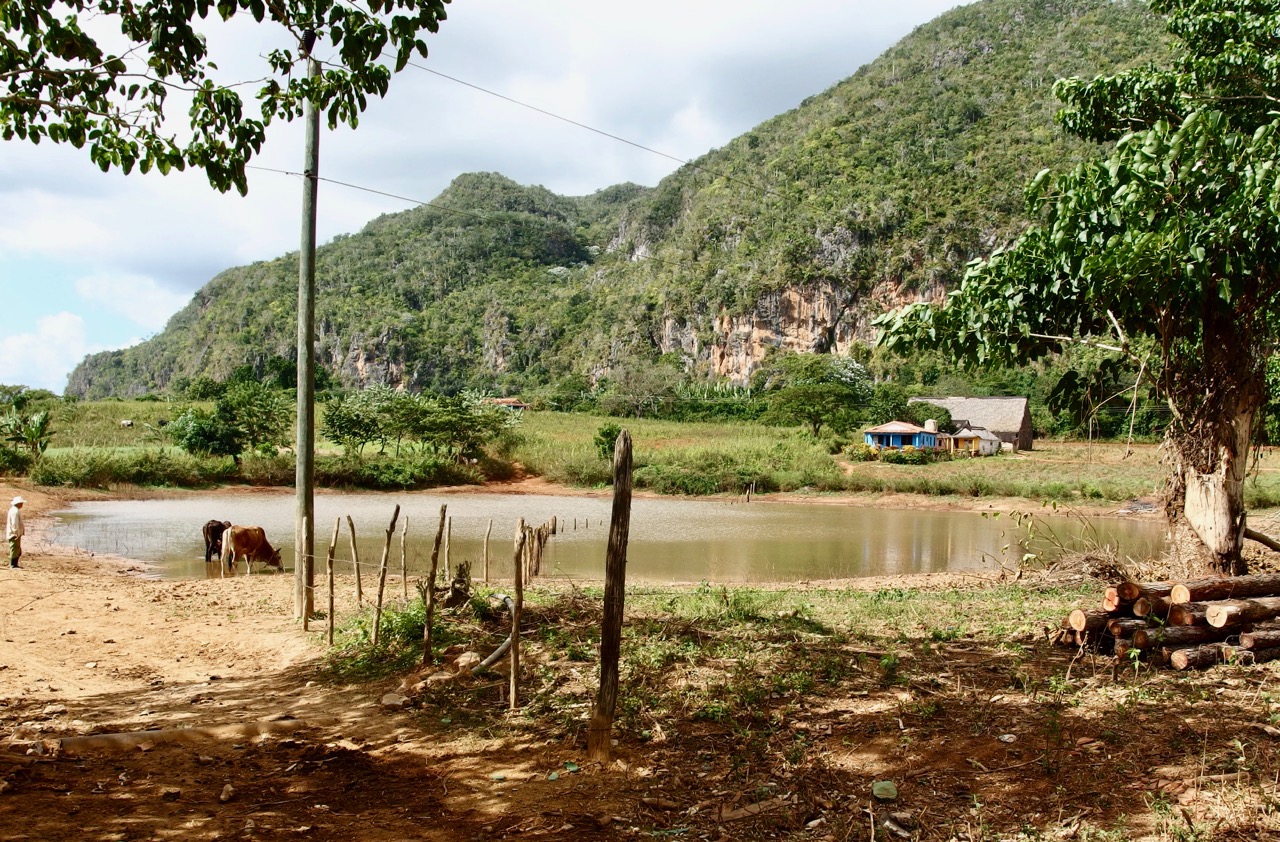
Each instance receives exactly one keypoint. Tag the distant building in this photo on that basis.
(977, 441)
(1008, 418)
(899, 434)
(514, 404)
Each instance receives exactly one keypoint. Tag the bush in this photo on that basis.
(861, 453)
(105, 468)
(905, 457)
(385, 472)
(14, 462)
(606, 439)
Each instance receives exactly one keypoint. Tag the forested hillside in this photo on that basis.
(793, 235)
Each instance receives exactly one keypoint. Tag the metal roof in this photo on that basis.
(897, 427)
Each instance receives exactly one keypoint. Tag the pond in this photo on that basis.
(671, 540)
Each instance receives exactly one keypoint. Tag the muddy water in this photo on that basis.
(671, 540)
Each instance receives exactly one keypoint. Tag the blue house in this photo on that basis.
(899, 434)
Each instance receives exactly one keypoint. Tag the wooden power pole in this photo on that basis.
(304, 479)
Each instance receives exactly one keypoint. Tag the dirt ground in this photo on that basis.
(247, 740)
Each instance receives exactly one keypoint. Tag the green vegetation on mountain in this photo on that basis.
(878, 190)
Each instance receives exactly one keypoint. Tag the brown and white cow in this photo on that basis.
(251, 544)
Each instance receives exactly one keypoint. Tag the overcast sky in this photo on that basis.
(92, 261)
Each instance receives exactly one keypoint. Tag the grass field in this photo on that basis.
(684, 458)
(559, 446)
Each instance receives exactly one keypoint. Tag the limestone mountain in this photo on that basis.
(879, 190)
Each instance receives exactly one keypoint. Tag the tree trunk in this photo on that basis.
(1208, 521)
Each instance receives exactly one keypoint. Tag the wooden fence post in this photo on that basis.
(486, 551)
(600, 729)
(448, 539)
(430, 595)
(382, 574)
(355, 561)
(308, 584)
(333, 545)
(514, 688)
(404, 565)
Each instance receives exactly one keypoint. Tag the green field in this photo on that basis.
(90, 447)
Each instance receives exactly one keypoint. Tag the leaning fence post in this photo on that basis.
(600, 728)
(430, 595)
(514, 689)
(382, 574)
(333, 544)
(355, 561)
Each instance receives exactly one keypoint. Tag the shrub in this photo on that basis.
(861, 453)
(14, 462)
(105, 468)
(906, 456)
(606, 439)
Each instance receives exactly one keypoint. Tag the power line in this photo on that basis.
(601, 132)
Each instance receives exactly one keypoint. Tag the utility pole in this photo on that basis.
(304, 481)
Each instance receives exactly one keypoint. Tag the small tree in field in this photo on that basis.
(1171, 242)
(816, 390)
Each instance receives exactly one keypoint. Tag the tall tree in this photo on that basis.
(99, 74)
(1173, 236)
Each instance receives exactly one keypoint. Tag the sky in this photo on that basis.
(92, 261)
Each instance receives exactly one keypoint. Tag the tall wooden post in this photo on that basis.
(600, 729)
(304, 476)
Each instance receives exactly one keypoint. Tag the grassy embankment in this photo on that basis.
(92, 449)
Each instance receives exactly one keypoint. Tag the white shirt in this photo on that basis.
(13, 526)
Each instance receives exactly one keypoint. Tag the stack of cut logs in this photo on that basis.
(1186, 625)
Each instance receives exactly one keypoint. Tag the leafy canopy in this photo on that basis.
(99, 73)
(1174, 235)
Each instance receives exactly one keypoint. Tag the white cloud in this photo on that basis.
(138, 298)
(42, 359)
(675, 76)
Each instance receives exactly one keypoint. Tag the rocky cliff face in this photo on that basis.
(818, 318)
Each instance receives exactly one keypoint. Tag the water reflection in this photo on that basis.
(671, 540)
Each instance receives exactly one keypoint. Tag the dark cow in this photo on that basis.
(213, 538)
(251, 544)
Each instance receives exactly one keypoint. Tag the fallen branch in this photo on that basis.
(1265, 540)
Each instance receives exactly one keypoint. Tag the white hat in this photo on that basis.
(18, 501)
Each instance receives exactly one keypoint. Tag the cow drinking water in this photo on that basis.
(213, 538)
(251, 544)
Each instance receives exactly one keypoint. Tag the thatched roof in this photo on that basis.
(999, 415)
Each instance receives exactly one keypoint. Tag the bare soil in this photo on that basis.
(980, 744)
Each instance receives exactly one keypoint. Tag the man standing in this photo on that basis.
(13, 531)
